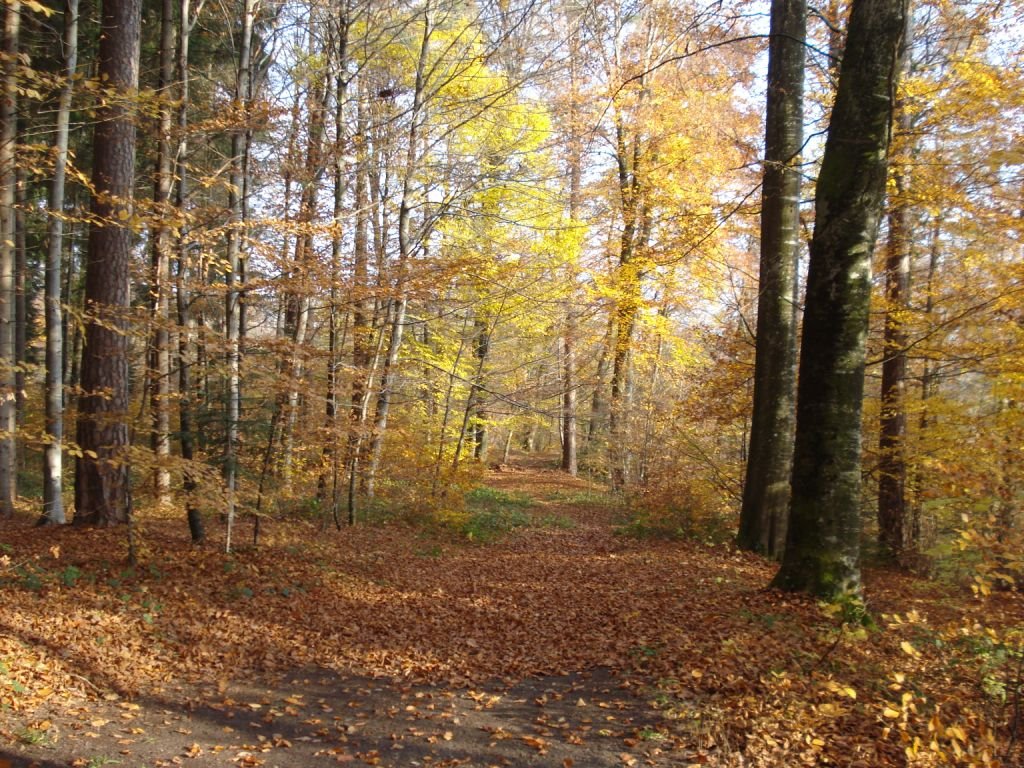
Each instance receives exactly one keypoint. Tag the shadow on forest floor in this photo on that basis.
(558, 643)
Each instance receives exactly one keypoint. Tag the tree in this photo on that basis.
(406, 244)
(186, 321)
(822, 553)
(102, 493)
(53, 484)
(893, 512)
(232, 307)
(574, 163)
(769, 459)
(8, 183)
(160, 267)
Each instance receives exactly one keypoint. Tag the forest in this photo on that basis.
(665, 356)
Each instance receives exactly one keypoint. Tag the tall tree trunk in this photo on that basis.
(928, 380)
(598, 421)
(447, 410)
(653, 399)
(21, 297)
(481, 346)
(823, 544)
(71, 297)
(893, 538)
(334, 344)
(569, 460)
(404, 253)
(627, 302)
(481, 350)
(160, 269)
(633, 160)
(353, 468)
(769, 458)
(232, 309)
(362, 329)
(186, 320)
(53, 482)
(102, 493)
(8, 183)
(575, 162)
(270, 465)
(633, 242)
(297, 319)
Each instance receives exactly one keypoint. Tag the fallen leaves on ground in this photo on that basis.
(738, 675)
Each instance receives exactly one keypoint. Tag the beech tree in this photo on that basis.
(766, 489)
(822, 553)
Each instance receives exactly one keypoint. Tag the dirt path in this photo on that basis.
(583, 711)
(558, 643)
(317, 717)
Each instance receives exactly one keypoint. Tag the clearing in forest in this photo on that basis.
(529, 632)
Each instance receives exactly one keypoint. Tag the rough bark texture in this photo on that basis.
(102, 494)
(823, 544)
(766, 489)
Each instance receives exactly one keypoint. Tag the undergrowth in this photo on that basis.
(491, 513)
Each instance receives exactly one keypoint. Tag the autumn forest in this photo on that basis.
(655, 316)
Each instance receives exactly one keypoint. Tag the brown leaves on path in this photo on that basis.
(727, 674)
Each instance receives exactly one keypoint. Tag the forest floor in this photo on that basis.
(560, 642)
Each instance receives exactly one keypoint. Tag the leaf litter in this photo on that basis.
(567, 645)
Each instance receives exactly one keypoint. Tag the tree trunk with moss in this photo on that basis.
(823, 544)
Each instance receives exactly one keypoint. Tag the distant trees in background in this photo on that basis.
(357, 251)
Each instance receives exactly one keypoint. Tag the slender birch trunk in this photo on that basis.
(569, 421)
(160, 269)
(334, 344)
(53, 482)
(232, 310)
(404, 254)
(186, 318)
(8, 182)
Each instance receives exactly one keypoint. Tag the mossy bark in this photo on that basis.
(823, 543)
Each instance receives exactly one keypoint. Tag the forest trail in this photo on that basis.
(536, 635)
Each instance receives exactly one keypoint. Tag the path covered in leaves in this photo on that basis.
(560, 643)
